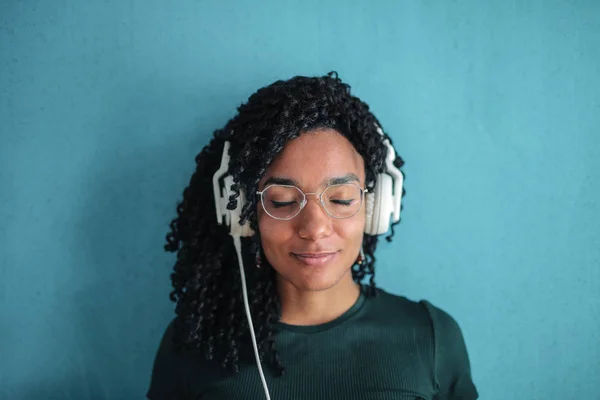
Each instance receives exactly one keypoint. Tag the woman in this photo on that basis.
(309, 154)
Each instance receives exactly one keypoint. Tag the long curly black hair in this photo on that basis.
(206, 279)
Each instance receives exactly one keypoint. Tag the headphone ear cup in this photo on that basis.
(382, 206)
(369, 206)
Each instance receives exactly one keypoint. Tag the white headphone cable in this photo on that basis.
(238, 248)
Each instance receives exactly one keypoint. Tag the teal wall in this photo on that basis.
(495, 106)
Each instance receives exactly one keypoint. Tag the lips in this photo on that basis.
(315, 259)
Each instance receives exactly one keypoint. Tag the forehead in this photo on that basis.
(315, 157)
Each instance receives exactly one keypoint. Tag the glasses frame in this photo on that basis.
(304, 201)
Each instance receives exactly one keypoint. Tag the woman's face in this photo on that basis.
(313, 251)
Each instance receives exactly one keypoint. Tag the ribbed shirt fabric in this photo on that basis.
(385, 347)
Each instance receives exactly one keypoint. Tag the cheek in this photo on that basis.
(352, 228)
(273, 233)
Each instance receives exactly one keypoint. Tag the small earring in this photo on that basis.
(361, 257)
(258, 259)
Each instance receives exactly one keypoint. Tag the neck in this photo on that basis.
(304, 307)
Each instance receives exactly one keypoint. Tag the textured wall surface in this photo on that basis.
(494, 105)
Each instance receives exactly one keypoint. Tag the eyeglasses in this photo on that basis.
(284, 202)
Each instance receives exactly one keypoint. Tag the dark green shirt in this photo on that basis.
(385, 347)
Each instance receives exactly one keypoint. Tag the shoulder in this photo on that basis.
(422, 311)
(173, 350)
(427, 322)
(168, 348)
(451, 358)
(173, 366)
(400, 309)
(441, 321)
(396, 303)
(444, 326)
(167, 380)
(444, 338)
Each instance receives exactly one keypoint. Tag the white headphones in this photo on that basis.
(382, 206)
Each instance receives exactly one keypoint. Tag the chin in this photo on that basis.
(316, 286)
(315, 281)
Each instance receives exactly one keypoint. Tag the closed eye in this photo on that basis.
(279, 204)
(343, 202)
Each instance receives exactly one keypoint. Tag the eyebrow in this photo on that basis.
(348, 178)
(338, 180)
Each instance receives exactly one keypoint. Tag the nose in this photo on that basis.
(313, 222)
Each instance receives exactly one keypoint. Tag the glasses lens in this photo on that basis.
(342, 201)
(282, 201)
